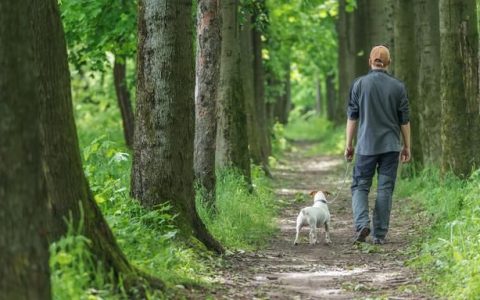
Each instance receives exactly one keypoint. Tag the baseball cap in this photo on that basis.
(380, 56)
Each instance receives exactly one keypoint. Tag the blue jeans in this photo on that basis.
(363, 172)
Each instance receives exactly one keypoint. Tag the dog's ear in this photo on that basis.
(312, 193)
(327, 193)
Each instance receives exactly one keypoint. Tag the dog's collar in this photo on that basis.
(322, 200)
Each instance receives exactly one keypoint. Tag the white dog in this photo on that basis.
(315, 216)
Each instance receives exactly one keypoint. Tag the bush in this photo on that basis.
(450, 254)
(243, 219)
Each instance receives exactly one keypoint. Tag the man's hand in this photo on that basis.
(405, 155)
(349, 151)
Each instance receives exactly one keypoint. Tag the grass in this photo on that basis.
(243, 219)
(449, 255)
(148, 238)
(327, 139)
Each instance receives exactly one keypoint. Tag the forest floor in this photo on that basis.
(338, 271)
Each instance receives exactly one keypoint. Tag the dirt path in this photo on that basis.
(338, 271)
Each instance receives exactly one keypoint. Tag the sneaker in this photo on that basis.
(378, 241)
(361, 235)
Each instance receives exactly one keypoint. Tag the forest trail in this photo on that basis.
(338, 271)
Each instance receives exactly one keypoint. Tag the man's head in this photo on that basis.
(379, 57)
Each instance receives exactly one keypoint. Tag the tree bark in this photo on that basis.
(284, 103)
(123, 99)
(252, 82)
(260, 108)
(248, 86)
(331, 95)
(207, 77)
(67, 188)
(24, 270)
(232, 136)
(374, 27)
(162, 170)
(347, 56)
(459, 86)
(428, 89)
(407, 70)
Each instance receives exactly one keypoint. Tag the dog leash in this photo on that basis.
(339, 189)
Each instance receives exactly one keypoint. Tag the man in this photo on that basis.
(378, 106)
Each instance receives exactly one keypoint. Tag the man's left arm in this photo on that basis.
(405, 155)
(404, 119)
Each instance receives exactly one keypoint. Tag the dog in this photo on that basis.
(315, 216)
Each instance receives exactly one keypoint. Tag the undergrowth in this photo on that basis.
(327, 139)
(243, 219)
(449, 256)
(148, 238)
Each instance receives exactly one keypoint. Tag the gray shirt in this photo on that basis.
(379, 102)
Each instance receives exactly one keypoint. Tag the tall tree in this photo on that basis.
(24, 270)
(284, 101)
(68, 190)
(207, 77)
(265, 149)
(123, 98)
(248, 85)
(428, 89)
(232, 137)
(331, 94)
(252, 82)
(162, 170)
(459, 86)
(347, 55)
(374, 27)
(407, 68)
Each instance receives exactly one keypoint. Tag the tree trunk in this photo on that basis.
(347, 56)
(284, 103)
(459, 86)
(162, 170)
(407, 69)
(318, 98)
(252, 80)
(24, 270)
(67, 187)
(248, 86)
(123, 99)
(331, 92)
(232, 137)
(428, 49)
(374, 27)
(207, 76)
(260, 109)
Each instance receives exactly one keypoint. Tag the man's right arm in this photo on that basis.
(350, 132)
(352, 116)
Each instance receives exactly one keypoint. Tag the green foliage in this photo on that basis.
(244, 220)
(73, 272)
(95, 107)
(279, 142)
(300, 34)
(307, 127)
(450, 255)
(95, 27)
(147, 237)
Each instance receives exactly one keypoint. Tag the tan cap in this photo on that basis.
(379, 57)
